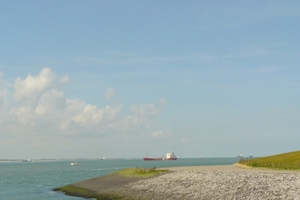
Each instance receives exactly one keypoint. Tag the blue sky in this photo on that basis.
(126, 79)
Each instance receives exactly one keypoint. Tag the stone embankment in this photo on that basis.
(212, 184)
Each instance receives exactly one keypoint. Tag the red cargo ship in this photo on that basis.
(148, 159)
(169, 156)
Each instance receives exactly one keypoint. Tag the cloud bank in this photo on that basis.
(38, 106)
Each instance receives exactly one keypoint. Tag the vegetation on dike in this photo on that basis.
(72, 190)
(285, 161)
(140, 172)
(76, 191)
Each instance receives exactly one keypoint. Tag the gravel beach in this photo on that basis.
(209, 182)
(218, 182)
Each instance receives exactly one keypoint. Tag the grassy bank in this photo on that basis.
(140, 172)
(285, 161)
(71, 190)
(125, 174)
(76, 191)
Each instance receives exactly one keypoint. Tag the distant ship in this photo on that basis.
(28, 160)
(171, 156)
(74, 163)
(149, 159)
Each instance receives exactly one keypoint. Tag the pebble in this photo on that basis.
(188, 185)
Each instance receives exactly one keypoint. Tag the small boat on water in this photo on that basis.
(74, 164)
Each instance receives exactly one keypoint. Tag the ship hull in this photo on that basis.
(171, 158)
(151, 159)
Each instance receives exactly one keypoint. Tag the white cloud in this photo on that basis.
(4, 92)
(50, 102)
(32, 86)
(1, 101)
(163, 101)
(3, 97)
(185, 140)
(41, 108)
(110, 92)
(161, 133)
(91, 115)
(145, 113)
(64, 79)
(23, 115)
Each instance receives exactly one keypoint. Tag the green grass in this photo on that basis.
(140, 172)
(130, 172)
(283, 161)
(85, 193)
(76, 191)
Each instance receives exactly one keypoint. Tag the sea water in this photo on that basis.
(36, 180)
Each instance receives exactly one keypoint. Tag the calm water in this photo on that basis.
(35, 180)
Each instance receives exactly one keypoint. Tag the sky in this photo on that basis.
(122, 79)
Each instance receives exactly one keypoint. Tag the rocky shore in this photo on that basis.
(211, 182)
(216, 185)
